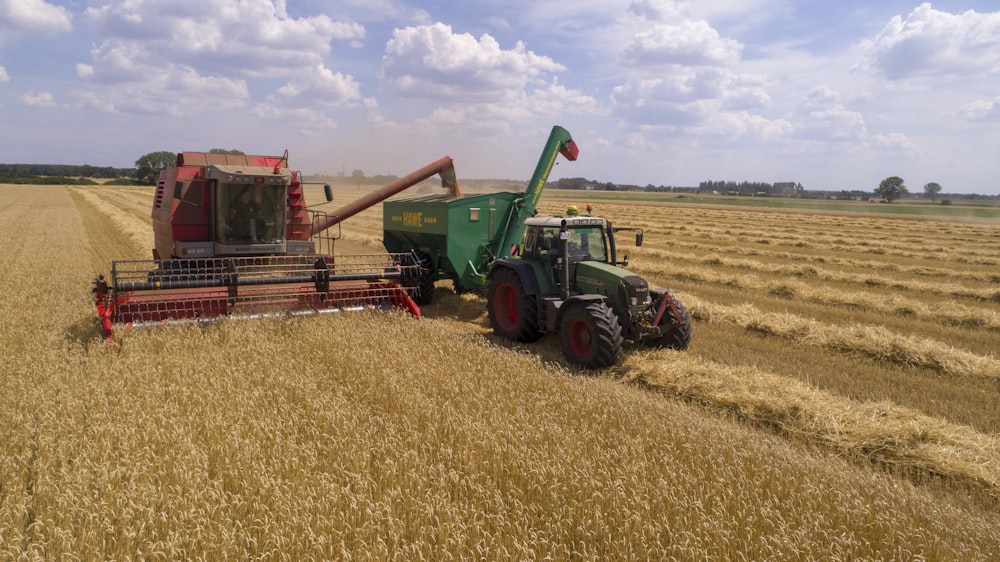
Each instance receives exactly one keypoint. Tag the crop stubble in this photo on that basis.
(373, 435)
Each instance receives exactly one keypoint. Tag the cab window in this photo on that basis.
(250, 213)
(587, 244)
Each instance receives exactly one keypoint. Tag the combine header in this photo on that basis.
(233, 237)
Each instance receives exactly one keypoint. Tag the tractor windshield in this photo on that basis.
(587, 244)
(250, 214)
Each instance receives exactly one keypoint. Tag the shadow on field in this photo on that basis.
(470, 308)
(467, 307)
(83, 330)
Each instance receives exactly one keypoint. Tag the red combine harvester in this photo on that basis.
(234, 237)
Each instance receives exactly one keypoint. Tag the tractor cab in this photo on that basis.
(589, 239)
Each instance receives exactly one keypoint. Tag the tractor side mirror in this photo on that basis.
(638, 241)
(328, 191)
(545, 242)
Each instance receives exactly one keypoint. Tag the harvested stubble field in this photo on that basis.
(838, 402)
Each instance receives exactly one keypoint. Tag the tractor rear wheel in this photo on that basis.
(591, 335)
(513, 314)
(674, 335)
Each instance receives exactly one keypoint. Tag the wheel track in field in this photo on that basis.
(876, 342)
(105, 240)
(126, 204)
(812, 272)
(963, 316)
(710, 251)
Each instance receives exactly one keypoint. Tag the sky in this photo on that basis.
(832, 95)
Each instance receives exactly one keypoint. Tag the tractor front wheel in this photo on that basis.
(591, 335)
(512, 313)
(673, 334)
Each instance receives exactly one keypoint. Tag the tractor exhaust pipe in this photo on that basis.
(564, 259)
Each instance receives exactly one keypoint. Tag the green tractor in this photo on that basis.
(568, 280)
(540, 275)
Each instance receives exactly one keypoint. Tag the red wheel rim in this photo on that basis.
(580, 337)
(505, 306)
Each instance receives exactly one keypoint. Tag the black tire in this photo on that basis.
(513, 314)
(675, 335)
(591, 335)
(424, 292)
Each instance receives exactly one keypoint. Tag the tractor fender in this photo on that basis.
(524, 272)
(573, 299)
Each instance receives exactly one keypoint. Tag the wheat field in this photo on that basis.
(838, 402)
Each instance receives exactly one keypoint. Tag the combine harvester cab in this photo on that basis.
(234, 238)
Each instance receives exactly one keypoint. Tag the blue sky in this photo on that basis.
(834, 95)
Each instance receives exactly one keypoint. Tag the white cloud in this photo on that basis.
(743, 124)
(821, 96)
(171, 90)
(692, 43)
(986, 110)
(553, 101)
(541, 104)
(656, 10)
(685, 78)
(836, 123)
(37, 99)
(179, 57)
(430, 61)
(662, 102)
(250, 38)
(935, 43)
(34, 16)
(895, 142)
(308, 93)
(4, 77)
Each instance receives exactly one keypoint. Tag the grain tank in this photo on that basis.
(458, 237)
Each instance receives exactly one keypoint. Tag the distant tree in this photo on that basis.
(224, 151)
(358, 176)
(891, 188)
(932, 189)
(148, 166)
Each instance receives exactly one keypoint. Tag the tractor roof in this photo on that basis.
(571, 222)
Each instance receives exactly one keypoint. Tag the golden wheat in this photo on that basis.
(376, 436)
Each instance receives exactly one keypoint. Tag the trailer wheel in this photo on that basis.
(424, 292)
(513, 314)
(674, 335)
(591, 335)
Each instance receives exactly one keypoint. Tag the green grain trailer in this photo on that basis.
(452, 236)
(457, 237)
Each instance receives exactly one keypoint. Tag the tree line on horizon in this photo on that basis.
(708, 186)
(148, 168)
(62, 174)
